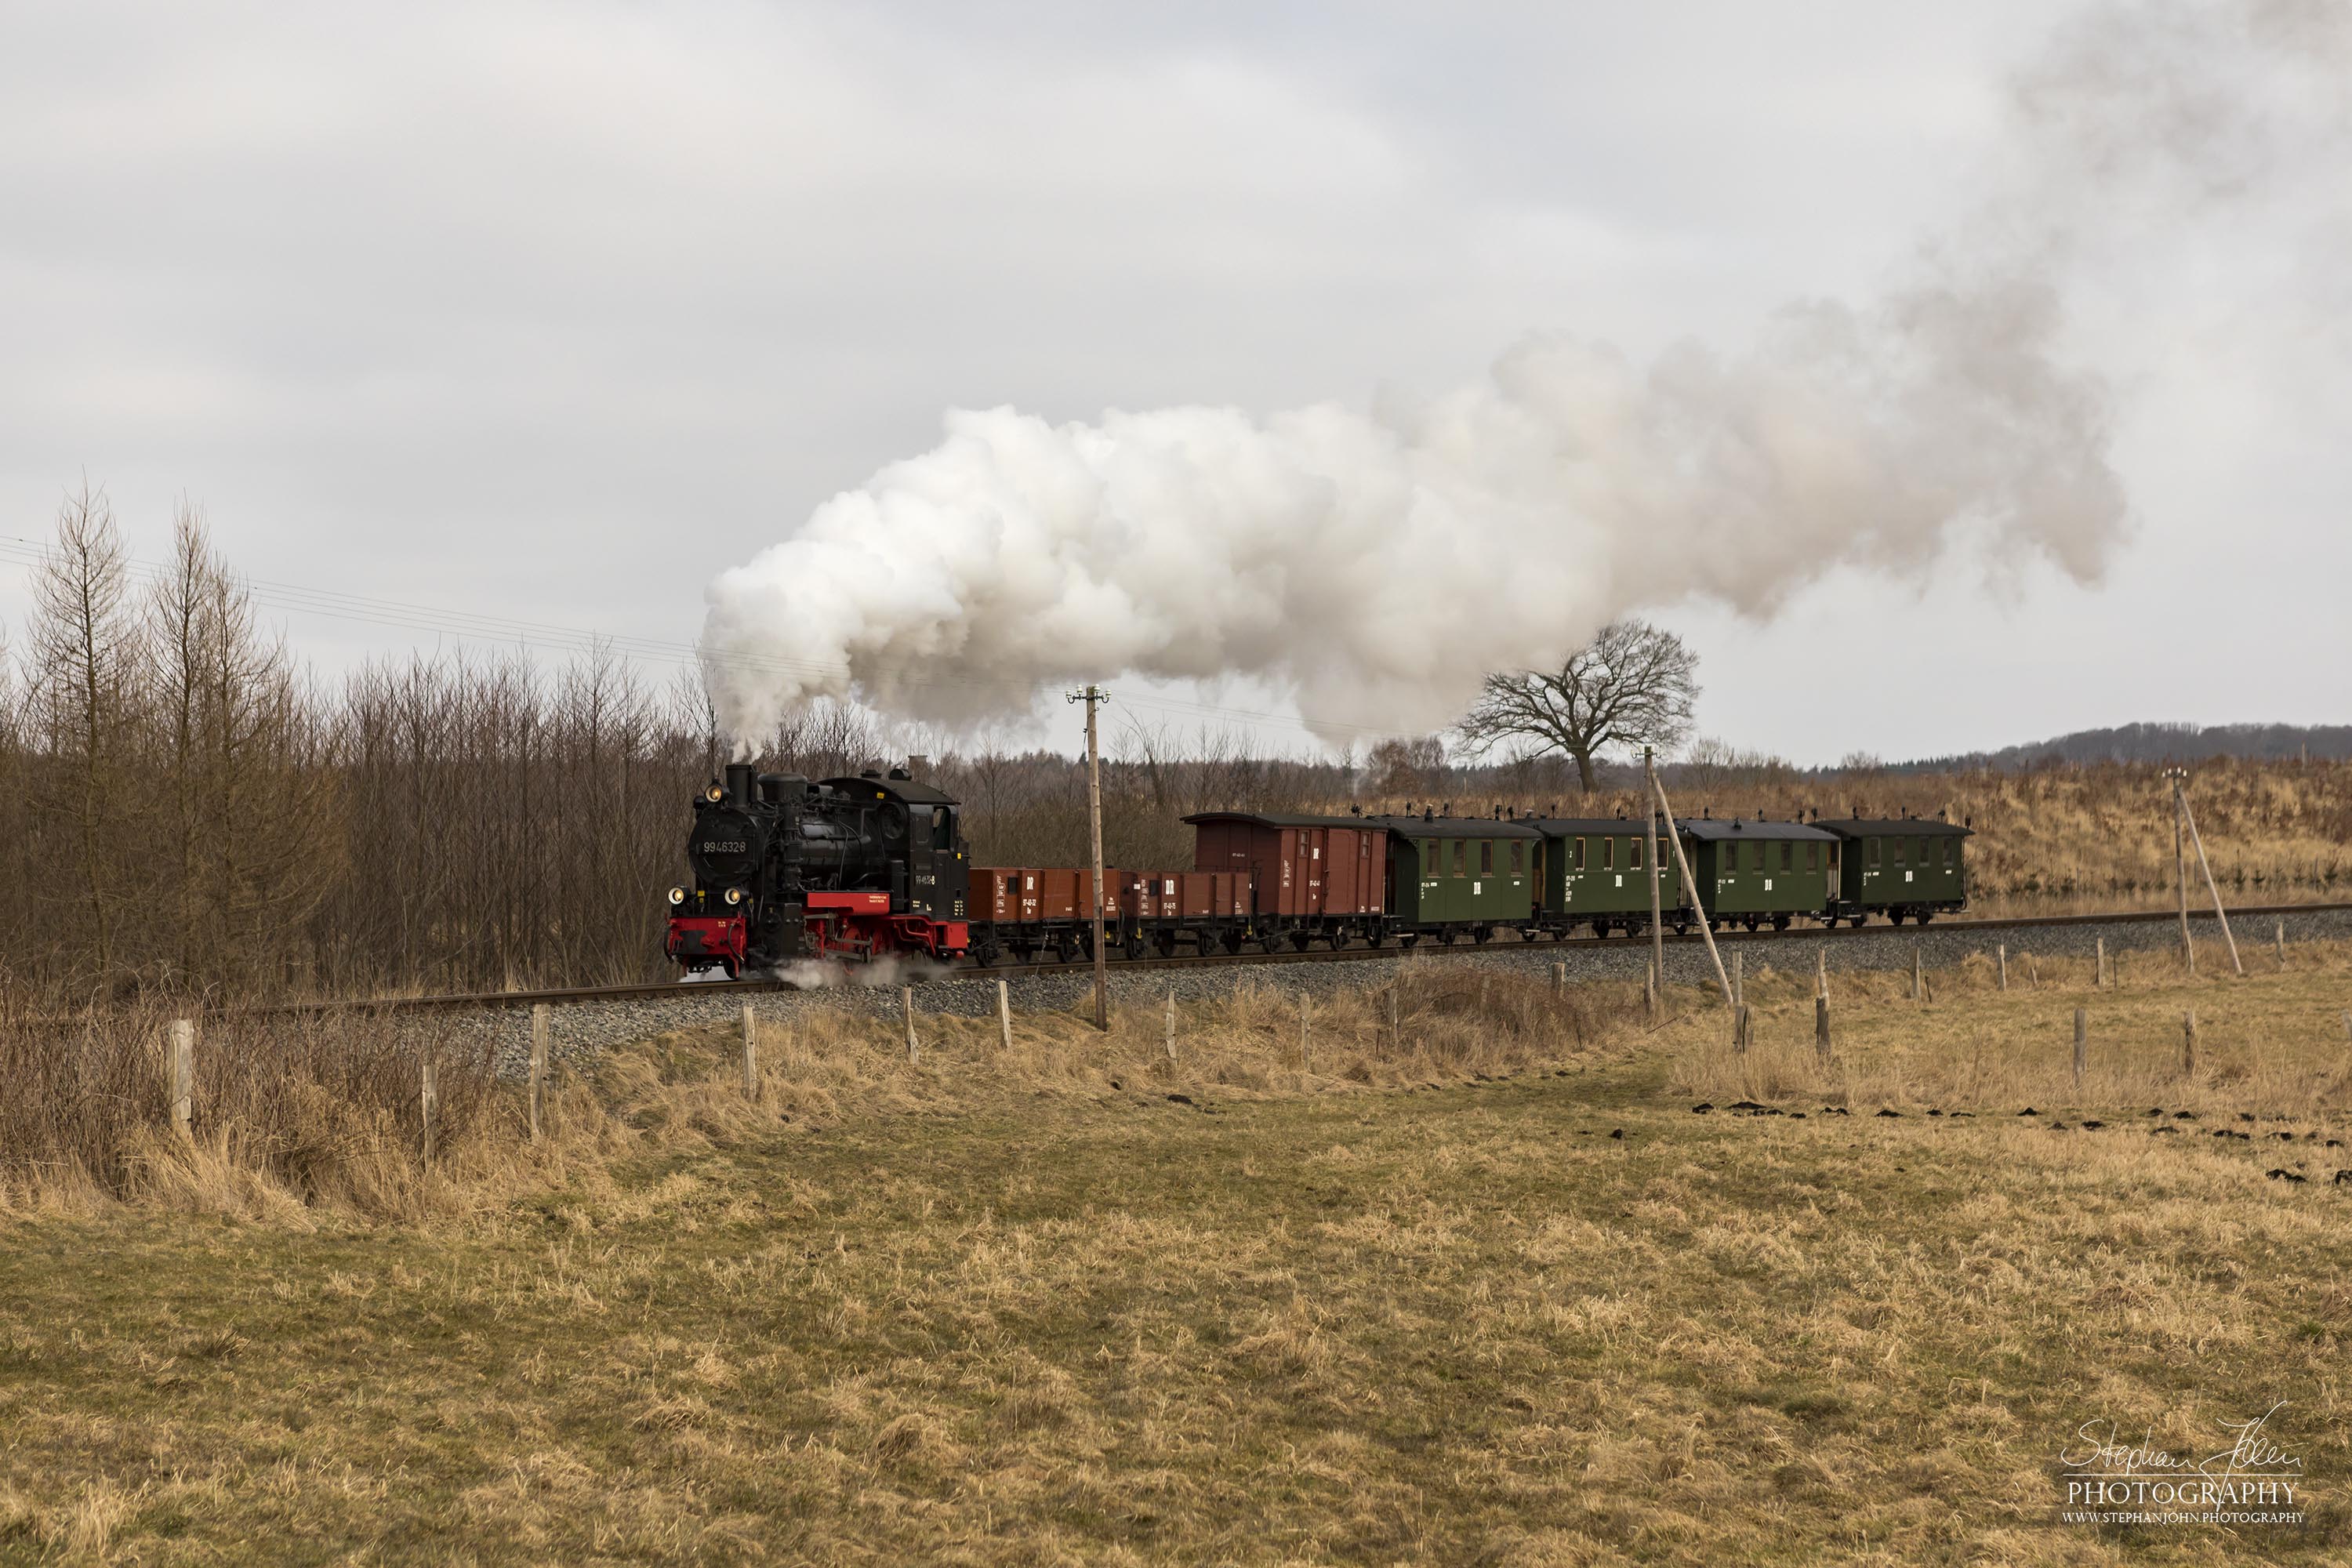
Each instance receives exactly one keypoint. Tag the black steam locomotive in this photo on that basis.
(853, 869)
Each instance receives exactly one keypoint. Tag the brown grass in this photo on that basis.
(992, 1308)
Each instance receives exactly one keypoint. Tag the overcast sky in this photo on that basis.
(553, 312)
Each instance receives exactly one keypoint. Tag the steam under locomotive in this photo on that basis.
(853, 869)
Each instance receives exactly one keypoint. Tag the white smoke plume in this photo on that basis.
(1377, 564)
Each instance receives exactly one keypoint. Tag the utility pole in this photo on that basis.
(1093, 696)
(2180, 867)
(1657, 925)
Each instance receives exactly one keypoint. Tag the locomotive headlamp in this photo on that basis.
(734, 895)
(714, 794)
(677, 895)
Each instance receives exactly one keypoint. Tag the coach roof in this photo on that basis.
(1717, 827)
(1458, 826)
(1892, 826)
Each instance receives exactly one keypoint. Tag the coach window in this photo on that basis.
(1633, 848)
(1519, 857)
(1898, 851)
(1947, 849)
(1813, 857)
(1460, 857)
(1788, 855)
(1609, 854)
(1756, 854)
(1922, 847)
(1576, 856)
(1485, 857)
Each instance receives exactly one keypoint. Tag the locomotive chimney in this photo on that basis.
(740, 783)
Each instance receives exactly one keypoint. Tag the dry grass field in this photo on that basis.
(1485, 1290)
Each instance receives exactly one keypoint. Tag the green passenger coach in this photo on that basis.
(1596, 871)
(1755, 873)
(1455, 875)
(1902, 868)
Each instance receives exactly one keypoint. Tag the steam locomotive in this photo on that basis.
(849, 868)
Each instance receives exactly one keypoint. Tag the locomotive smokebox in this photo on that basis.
(741, 782)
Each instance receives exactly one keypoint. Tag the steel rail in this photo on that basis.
(1080, 964)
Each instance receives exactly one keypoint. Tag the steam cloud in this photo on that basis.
(1377, 566)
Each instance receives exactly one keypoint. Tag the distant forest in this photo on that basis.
(2160, 744)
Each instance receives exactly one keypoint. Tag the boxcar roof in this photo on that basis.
(1282, 819)
(1457, 827)
(1877, 826)
(1717, 827)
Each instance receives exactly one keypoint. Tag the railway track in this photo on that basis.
(489, 999)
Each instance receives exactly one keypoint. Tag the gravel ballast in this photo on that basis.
(579, 1030)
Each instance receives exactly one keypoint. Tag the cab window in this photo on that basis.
(942, 828)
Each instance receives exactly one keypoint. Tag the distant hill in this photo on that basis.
(2161, 743)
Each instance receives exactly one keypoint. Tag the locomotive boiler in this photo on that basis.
(851, 868)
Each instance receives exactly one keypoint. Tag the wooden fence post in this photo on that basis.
(1649, 990)
(1396, 1023)
(1171, 1041)
(2001, 959)
(1822, 1029)
(2280, 941)
(2034, 971)
(1559, 979)
(1738, 980)
(2189, 1043)
(907, 998)
(2099, 965)
(541, 1028)
(1739, 1027)
(1004, 1015)
(1821, 970)
(1302, 1029)
(2082, 1043)
(750, 1054)
(1919, 974)
(428, 1102)
(183, 1077)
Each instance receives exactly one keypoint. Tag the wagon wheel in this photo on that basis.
(1166, 942)
(1780, 922)
(1482, 935)
(1895, 915)
(1682, 927)
(1926, 915)
(1232, 940)
(1449, 936)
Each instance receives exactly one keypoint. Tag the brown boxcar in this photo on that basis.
(1297, 878)
(1005, 895)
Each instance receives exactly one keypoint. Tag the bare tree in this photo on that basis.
(1402, 767)
(83, 670)
(1632, 686)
